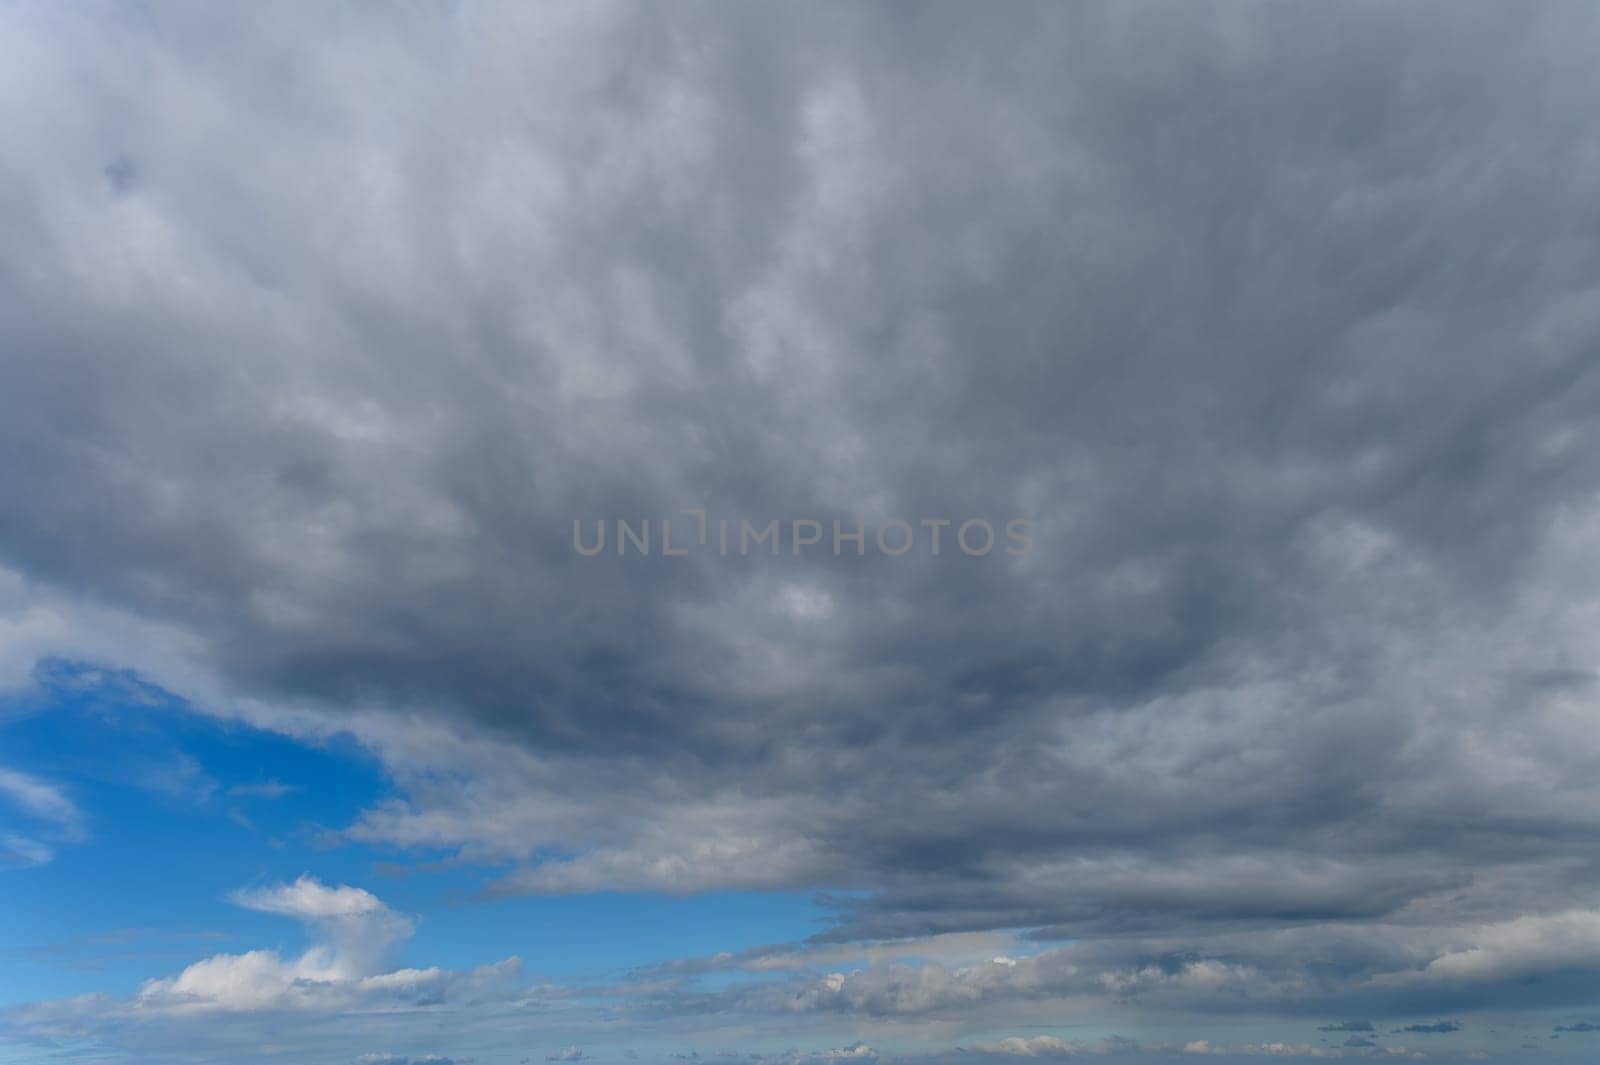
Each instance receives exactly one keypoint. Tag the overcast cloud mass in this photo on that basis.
(320, 327)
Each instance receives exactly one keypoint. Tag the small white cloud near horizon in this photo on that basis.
(345, 967)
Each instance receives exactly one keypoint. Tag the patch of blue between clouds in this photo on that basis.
(181, 809)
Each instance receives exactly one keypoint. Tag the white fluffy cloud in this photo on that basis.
(344, 969)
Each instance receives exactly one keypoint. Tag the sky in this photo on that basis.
(799, 534)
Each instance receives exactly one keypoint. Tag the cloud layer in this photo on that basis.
(1277, 323)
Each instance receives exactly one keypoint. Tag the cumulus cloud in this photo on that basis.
(343, 970)
(309, 899)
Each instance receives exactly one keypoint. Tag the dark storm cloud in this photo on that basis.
(1277, 322)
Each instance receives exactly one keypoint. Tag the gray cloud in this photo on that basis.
(1277, 322)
